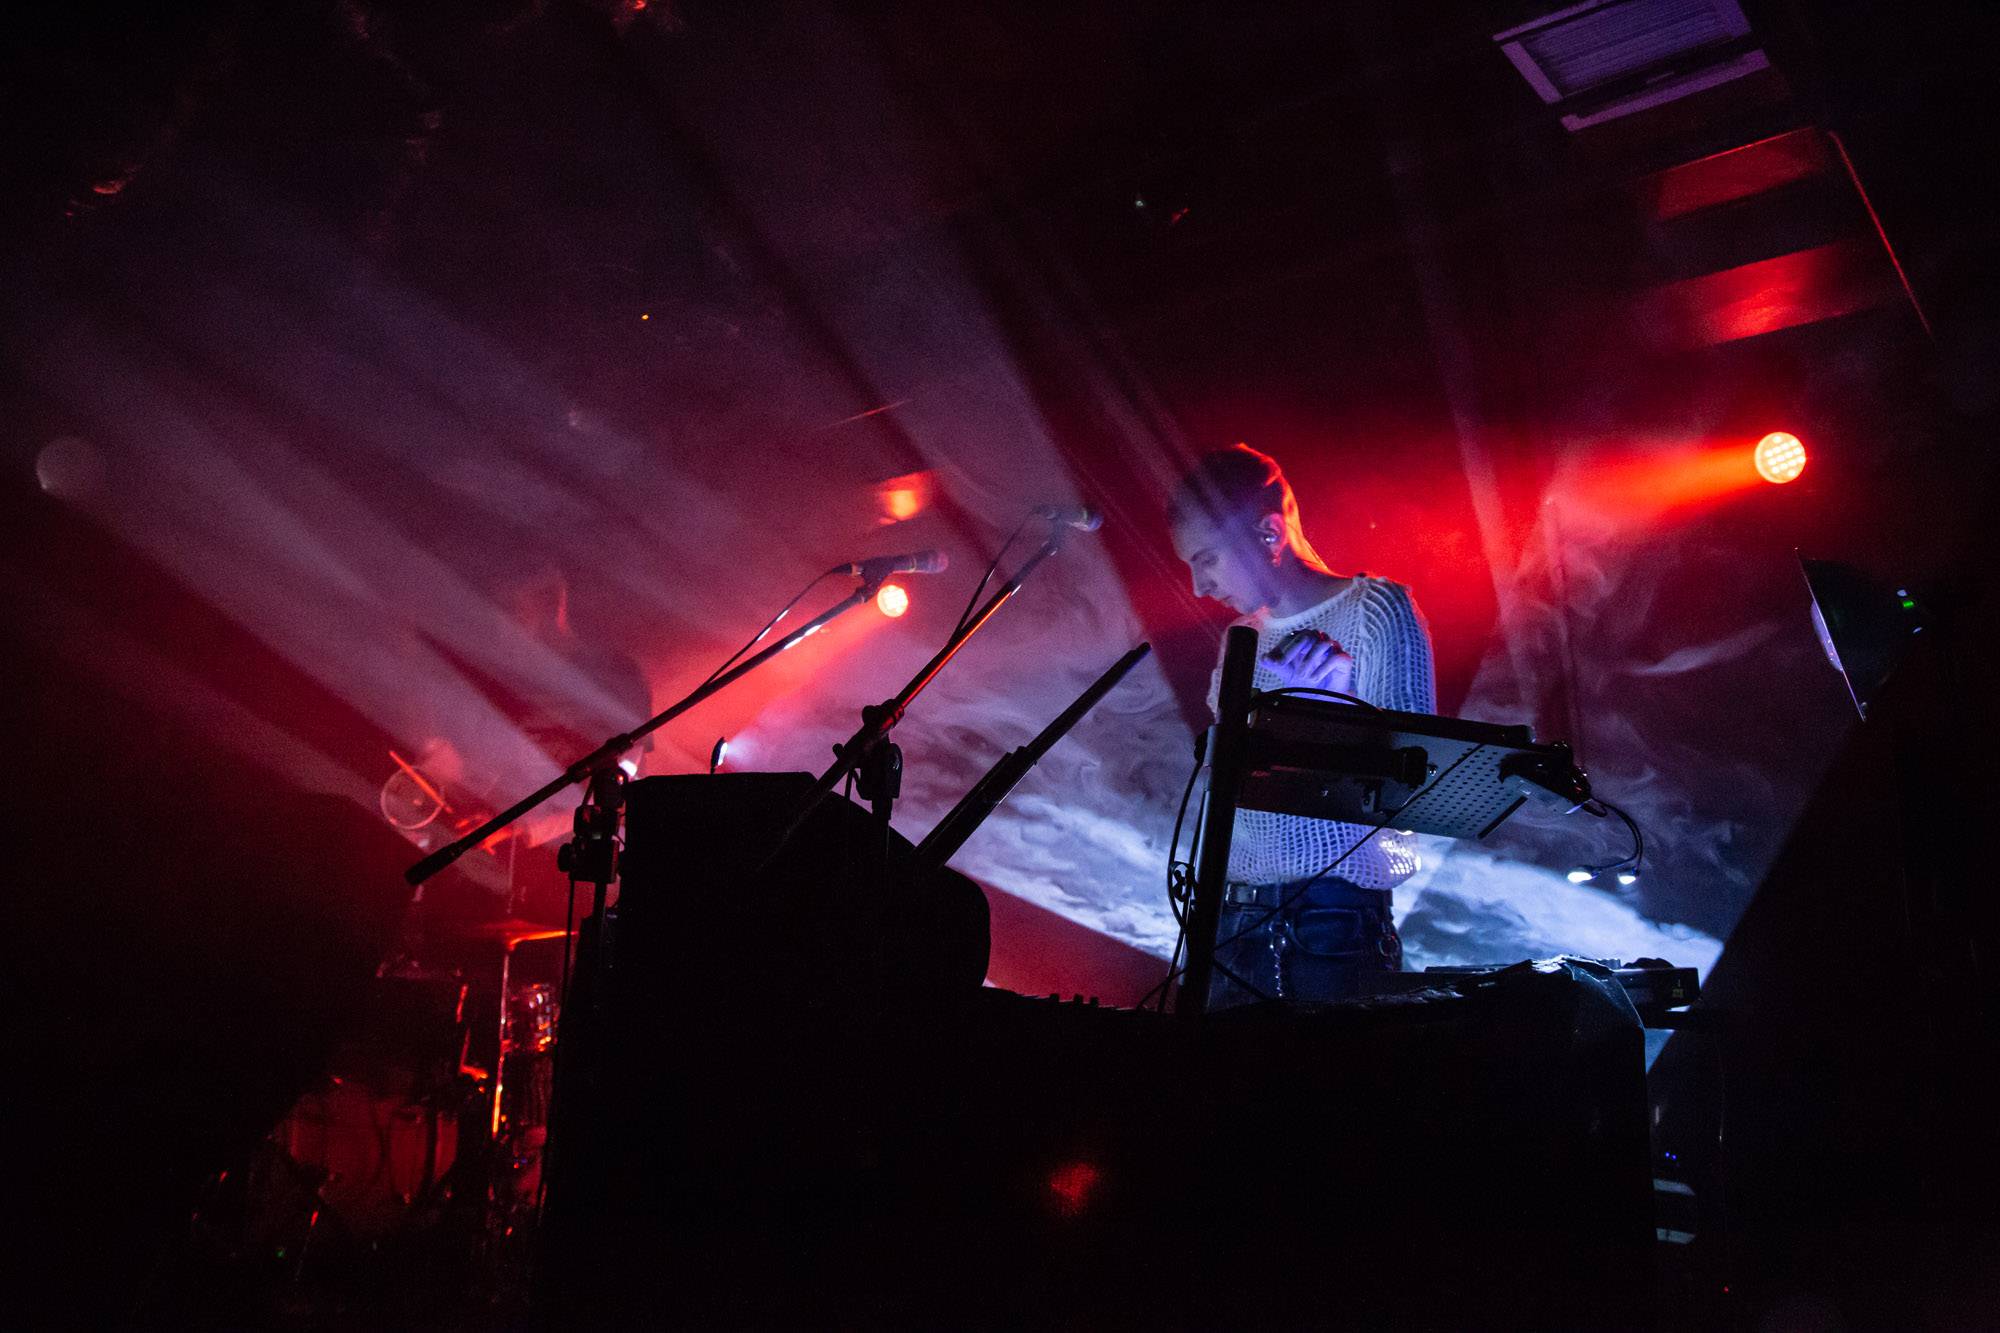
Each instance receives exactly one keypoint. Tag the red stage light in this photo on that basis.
(903, 497)
(1780, 457)
(1071, 1186)
(892, 601)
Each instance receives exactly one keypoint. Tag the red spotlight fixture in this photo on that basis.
(892, 601)
(1780, 457)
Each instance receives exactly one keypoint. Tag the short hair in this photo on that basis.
(1228, 483)
(1239, 482)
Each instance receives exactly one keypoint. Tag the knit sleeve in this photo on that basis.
(1393, 659)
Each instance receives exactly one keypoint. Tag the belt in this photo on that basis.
(1292, 891)
(1260, 895)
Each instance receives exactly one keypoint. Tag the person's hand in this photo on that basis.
(1308, 659)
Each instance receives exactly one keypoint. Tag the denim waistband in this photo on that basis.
(1326, 891)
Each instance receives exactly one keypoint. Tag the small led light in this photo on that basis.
(719, 754)
(631, 767)
(1627, 877)
(1579, 876)
(1780, 457)
(892, 601)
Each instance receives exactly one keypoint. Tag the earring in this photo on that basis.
(1270, 540)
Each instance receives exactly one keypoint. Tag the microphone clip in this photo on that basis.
(1081, 517)
(874, 571)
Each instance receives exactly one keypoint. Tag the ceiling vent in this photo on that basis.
(1609, 58)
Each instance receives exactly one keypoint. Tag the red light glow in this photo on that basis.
(1072, 1185)
(892, 601)
(1646, 486)
(1738, 173)
(1802, 287)
(904, 497)
(1780, 458)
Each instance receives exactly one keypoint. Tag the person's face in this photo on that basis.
(1233, 560)
(540, 604)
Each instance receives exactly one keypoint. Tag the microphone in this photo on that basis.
(1081, 517)
(916, 562)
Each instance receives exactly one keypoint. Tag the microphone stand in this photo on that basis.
(591, 856)
(986, 794)
(607, 754)
(868, 753)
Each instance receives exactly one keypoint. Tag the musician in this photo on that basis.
(1307, 909)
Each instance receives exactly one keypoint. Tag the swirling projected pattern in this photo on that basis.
(353, 470)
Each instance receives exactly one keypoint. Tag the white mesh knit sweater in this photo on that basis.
(1375, 620)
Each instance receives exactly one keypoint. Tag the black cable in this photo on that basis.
(562, 1007)
(1173, 970)
(1638, 854)
(1334, 864)
(991, 568)
(1360, 842)
(1638, 838)
(569, 940)
(1302, 885)
(1178, 873)
(1173, 847)
(1180, 876)
(970, 603)
(769, 625)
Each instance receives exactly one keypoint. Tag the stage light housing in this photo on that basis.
(892, 600)
(1780, 457)
(1863, 627)
(718, 755)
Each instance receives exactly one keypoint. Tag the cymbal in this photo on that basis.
(508, 931)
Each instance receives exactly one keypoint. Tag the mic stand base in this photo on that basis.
(590, 856)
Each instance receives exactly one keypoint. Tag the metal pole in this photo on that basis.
(1225, 759)
(609, 752)
(879, 719)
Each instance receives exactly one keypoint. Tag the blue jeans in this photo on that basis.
(1306, 940)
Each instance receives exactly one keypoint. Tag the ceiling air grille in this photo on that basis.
(1609, 58)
